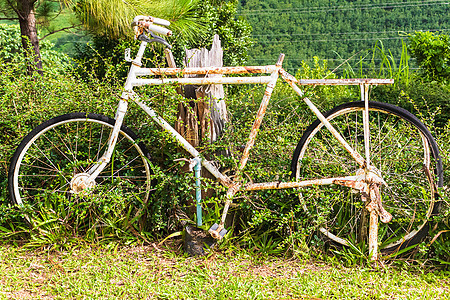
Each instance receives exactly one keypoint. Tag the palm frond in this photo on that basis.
(185, 21)
(113, 17)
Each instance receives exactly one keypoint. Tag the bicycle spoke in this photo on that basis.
(397, 150)
(66, 148)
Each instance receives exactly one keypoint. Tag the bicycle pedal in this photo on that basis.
(215, 233)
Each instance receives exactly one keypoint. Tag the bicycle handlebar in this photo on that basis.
(147, 23)
(160, 30)
(160, 21)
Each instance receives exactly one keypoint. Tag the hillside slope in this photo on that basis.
(336, 30)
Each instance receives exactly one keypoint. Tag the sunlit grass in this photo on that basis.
(151, 273)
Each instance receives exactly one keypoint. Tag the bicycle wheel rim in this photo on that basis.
(409, 225)
(39, 180)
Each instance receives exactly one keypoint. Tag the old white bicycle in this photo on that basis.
(378, 160)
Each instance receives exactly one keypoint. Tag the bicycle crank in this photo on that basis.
(368, 183)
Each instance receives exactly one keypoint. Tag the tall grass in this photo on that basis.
(390, 67)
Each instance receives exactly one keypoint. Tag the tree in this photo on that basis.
(219, 17)
(24, 9)
(113, 17)
(110, 16)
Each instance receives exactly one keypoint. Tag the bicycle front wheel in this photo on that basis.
(57, 152)
(401, 149)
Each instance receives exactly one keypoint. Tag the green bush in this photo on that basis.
(104, 58)
(26, 102)
(270, 222)
(433, 54)
(11, 51)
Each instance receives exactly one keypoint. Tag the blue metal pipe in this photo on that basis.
(198, 190)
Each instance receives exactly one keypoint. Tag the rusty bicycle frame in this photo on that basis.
(367, 180)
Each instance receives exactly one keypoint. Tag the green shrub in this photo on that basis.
(11, 51)
(104, 58)
(433, 54)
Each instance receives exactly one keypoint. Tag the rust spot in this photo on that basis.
(206, 70)
(251, 70)
(357, 185)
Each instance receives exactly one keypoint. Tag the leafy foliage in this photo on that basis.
(9, 42)
(432, 52)
(11, 50)
(103, 57)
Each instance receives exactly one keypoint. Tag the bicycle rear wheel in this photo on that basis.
(55, 153)
(401, 148)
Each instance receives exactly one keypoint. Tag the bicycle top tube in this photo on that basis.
(349, 81)
(142, 72)
(206, 70)
(335, 81)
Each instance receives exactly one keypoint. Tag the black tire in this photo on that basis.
(400, 148)
(51, 155)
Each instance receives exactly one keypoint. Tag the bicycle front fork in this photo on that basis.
(97, 168)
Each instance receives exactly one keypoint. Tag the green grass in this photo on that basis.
(151, 273)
